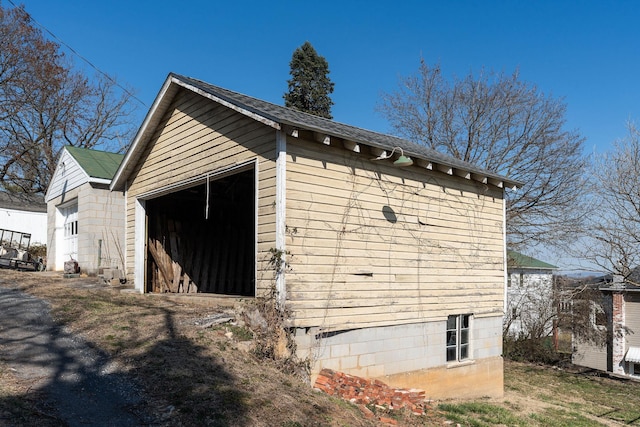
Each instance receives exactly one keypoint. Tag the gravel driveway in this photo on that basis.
(81, 387)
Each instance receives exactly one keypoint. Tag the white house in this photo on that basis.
(24, 213)
(530, 308)
(85, 220)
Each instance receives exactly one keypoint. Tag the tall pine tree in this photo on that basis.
(309, 86)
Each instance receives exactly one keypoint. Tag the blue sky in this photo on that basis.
(586, 52)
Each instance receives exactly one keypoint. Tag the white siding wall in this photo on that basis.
(67, 176)
(34, 223)
(530, 295)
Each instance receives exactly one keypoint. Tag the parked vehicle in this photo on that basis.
(14, 251)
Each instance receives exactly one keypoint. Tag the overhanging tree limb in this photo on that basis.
(505, 125)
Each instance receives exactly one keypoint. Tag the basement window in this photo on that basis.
(458, 330)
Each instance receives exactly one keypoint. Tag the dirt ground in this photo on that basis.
(157, 361)
(78, 352)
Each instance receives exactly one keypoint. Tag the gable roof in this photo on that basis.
(518, 260)
(22, 202)
(290, 120)
(97, 164)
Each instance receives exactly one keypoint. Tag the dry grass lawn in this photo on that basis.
(196, 375)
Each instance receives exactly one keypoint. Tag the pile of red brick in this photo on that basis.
(362, 391)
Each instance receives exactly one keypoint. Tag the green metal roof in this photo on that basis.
(518, 260)
(97, 164)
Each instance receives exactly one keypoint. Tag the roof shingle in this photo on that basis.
(97, 164)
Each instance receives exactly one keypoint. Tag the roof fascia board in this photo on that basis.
(135, 146)
(235, 107)
(100, 181)
(445, 167)
(278, 124)
(157, 110)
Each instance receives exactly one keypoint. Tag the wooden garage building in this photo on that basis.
(390, 272)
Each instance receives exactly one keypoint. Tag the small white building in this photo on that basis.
(24, 213)
(85, 219)
(530, 308)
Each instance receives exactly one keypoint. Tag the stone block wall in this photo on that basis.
(100, 229)
(409, 354)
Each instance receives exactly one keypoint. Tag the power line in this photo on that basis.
(60, 41)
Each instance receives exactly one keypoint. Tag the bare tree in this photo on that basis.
(505, 125)
(546, 323)
(613, 243)
(583, 309)
(46, 104)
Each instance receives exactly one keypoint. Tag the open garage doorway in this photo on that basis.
(202, 238)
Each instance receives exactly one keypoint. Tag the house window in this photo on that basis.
(458, 337)
(598, 316)
(71, 229)
(565, 306)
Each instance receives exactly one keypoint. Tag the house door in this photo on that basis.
(70, 241)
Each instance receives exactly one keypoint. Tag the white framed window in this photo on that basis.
(458, 337)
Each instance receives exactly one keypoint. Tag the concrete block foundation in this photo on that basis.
(411, 356)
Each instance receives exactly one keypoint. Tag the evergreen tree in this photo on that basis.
(309, 86)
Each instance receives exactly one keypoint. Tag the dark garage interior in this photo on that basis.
(194, 249)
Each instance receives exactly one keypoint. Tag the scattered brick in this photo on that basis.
(389, 421)
(368, 414)
(362, 392)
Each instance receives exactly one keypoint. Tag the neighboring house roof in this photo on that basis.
(77, 166)
(518, 260)
(611, 282)
(279, 117)
(22, 202)
(97, 164)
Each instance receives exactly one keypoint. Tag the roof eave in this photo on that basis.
(153, 116)
(249, 112)
(431, 164)
(173, 82)
(94, 180)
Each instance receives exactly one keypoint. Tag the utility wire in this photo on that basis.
(82, 57)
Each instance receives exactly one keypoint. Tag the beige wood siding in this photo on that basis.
(590, 356)
(371, 244)
(198, 136)
(632, 319)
